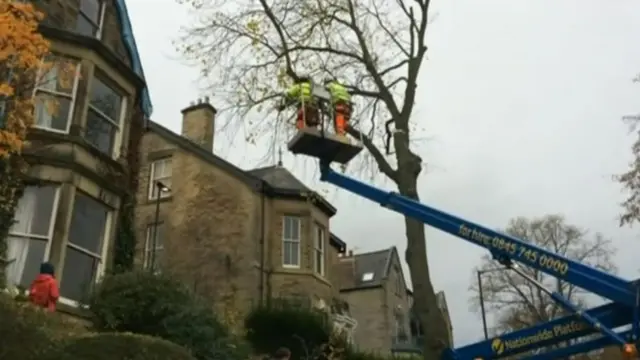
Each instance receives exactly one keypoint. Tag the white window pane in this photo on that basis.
(34, 212)
(294, 254)
(78, 274)
(91, 8)
(105, 99)
(25, 256)
(52, 112)
(86, 27)
(59, 74)
(88, 223)
(100, 132)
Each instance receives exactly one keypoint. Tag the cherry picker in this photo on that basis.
(581, 331)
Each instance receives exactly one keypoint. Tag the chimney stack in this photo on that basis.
(198, 123)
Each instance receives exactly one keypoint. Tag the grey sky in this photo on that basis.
(522, 100)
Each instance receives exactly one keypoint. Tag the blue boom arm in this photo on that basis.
(505, 248)
(611, 315)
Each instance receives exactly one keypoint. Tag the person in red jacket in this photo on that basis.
(44, 290)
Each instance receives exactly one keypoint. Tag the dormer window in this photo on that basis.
(367, 276)
(90, 18)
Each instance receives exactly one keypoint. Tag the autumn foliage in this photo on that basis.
(22, 50)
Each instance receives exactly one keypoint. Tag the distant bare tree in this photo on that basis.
(515, 302)
(250, 51)
(630, 180)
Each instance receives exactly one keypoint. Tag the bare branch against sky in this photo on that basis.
(250, 51)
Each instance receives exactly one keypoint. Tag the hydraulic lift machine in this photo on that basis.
(601, 322)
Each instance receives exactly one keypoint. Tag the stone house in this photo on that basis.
(238, 237)
(78, 153)
(373, 284)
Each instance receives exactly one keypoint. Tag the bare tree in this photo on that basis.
(250, 50)
(514, 301)
(630, 180)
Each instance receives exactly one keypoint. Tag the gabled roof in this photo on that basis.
(272, 181)
(371, 269)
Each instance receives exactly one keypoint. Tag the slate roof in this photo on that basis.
(272, 181)
(278, 176)
(371, 269)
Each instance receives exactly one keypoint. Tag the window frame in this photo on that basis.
(52, 222)
(148, 241)
(100, 269)
(286, 240)
(73, 95)
(117, 136)
(153, 179)
(319, 236)
(102, 6)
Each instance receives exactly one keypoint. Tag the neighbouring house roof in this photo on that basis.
(337, 243)
(272, 181)
(129, 40)
(370, 269)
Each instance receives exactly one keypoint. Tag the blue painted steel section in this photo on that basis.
(579, 348)
(506, 248)
(606, 285)
(130, 42)
(611, 315)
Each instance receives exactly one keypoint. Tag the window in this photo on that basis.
(103, 118)
(31, 233)
(153, 249)
(291, 241)
(90, 18)
(83, 258)
(367, 276)
(55, 94)
(400, 334)
(399, 281)
(160, 171)
(318, 251)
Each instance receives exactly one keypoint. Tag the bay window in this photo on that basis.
(30, 236)
(83, 260)
(106, 107)
(55, 93)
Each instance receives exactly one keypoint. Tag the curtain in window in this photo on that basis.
(18, 248)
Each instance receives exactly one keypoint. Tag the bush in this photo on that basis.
(144, 303)
(304, 331)
(27, 332)
(111, 346)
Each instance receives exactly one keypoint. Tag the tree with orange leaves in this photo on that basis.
(22, 50)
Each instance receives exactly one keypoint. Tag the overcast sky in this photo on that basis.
(523, 101)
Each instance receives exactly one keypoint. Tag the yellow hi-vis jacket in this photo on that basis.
(300, 92)
(338, 93)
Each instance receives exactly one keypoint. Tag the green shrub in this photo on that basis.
(27, 332)
(156, 305)
(304, 331)
(112, 346)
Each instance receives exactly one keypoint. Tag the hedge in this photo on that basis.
(115, 346)
(157, 305)
(303, 330)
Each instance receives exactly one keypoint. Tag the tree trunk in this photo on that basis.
(425, 304)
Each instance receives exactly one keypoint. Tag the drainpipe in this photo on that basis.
(263, 228)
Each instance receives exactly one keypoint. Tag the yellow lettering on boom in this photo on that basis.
(516, 251)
